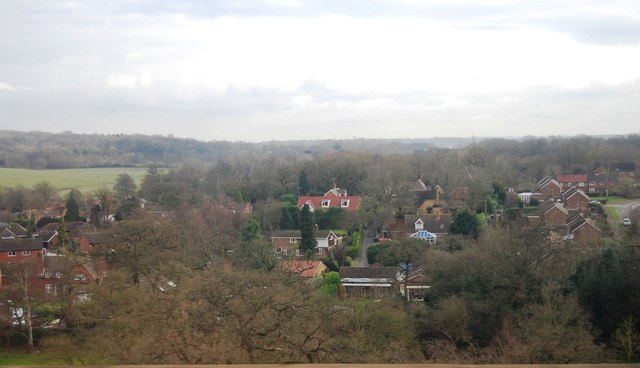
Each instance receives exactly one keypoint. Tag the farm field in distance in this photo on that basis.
(84, 179)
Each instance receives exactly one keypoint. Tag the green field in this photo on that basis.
(86, 180)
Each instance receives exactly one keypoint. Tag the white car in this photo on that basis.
(626, 222)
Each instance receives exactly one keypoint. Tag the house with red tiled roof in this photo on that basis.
(304, 268)
(335, 197)
(580, 181)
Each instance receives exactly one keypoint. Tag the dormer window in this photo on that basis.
(344, 203)
(325, 203)
(419, 225)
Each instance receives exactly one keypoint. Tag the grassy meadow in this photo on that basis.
(86, 180)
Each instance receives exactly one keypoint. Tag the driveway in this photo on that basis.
(367, 240)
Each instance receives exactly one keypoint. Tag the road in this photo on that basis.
(367, 240)
(625, 210)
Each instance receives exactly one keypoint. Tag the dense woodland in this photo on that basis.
(204, 285)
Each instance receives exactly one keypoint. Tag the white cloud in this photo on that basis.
(128, 80)
(6, 87)
(217, 70)
(363, 55)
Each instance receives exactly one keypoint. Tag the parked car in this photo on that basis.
(626, 222)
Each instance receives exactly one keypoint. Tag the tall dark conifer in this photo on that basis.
(303, 184)
(308, 243)
(73, 210)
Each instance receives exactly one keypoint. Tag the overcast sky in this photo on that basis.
(259, 70)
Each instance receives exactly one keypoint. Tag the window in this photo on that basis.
(592, 182)
(48, 288)
(299, 253)
(326, 202)
(26, 252)
(80, 277)
(318, 250)
(292, 240)
(58, 275)
(592, 190)
(344, 203)
(286, 251)
(419, 225)
(279, 250)
(581, 184)
(12, 253)
(47, 275)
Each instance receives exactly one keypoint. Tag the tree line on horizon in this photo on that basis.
(40, 150)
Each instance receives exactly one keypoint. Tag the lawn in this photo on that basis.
(86, 180)
(9, 358)
(613, 214)
(610, 199)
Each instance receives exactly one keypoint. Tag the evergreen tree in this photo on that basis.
(303, 184)
(251, 231)
(308, 243)
(465, 223)
(286, 220)
(73, 210)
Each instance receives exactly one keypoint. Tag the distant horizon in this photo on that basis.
(417, 139)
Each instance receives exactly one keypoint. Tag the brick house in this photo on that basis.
(91, 241)
(51, 274)
(550, 188)
(575, 199)
(584, 230)
(59, 273)
(580, 181)
(20, 250)
(285, 242)
(554, 213)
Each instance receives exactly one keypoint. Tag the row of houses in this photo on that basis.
(600, 181)
(567, 212)
(37, 254)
